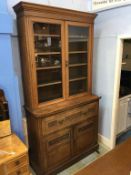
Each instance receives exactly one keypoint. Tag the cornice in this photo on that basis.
(31, 9)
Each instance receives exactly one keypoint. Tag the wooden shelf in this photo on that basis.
(49, 67)
(49, 84)
(78, 36)
(74, 52)
(75, 41)
(47, 35)
(78, 79)
(77, 65)
(47, 53)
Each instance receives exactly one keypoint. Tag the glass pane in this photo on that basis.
(49, 92)
(77, 87)
(78, 55)
(47, 41)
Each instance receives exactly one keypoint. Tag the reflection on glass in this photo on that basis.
(47, 41)
(78, 53)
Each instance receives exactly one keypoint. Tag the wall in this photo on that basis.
(9, 80)
(108, 26)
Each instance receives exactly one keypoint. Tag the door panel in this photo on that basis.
(77, 58)
(85, 135)
(48, 53)
(58, 148)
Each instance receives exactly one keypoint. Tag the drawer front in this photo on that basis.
(61, 120)
(58, 148)
(85, 135)
(14, 164)
(71, 117)
(89, 110)
(21, 171)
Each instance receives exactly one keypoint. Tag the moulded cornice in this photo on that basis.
(31, 9)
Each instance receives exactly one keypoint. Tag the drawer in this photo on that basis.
(89, 110)
(61, 120)
(24, 170)
(14, 164)
(58, 148)
(68, 118)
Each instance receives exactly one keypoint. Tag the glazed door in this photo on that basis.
(48, 50)
(77, 62)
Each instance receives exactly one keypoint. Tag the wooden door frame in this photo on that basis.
(50, 21)
(115, 106)
(89, 58)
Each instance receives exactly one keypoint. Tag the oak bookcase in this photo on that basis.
(56, 59)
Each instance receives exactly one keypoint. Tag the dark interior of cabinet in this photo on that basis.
(77, 87)
(78, 58)
(47, 28)
(49, 76)
(77, 72)
(48, 93)
(125, 80)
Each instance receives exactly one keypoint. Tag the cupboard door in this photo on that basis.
(85, 135)
(48, 60)
(58, 148)
(78, 35)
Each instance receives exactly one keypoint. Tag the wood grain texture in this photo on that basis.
(13, 156)
(5, 129)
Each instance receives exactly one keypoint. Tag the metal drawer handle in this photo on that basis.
(85, 113)
(53, 123)
(17, 162)
(59, 139)
(61, 121)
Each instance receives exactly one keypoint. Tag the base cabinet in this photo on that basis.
(62, 138)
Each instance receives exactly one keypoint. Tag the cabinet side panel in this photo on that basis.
(34, 128)
(27, 62)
